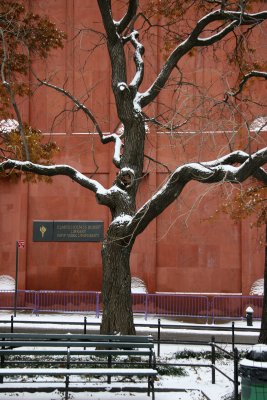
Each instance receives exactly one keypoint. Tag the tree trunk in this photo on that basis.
(116, 288)
(263, 332)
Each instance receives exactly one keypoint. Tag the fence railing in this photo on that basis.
(159, 304)
(234, 307)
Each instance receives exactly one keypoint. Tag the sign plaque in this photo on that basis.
(68, 231)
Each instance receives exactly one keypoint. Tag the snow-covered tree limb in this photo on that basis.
(232, 18)
(251, 74)
(54, 170)
(221, 170)
(139, 51)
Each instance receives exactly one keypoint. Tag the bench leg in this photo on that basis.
(151, 385)
(2, 366)
(67, 387)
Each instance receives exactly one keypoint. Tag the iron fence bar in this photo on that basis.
(233, 336)
(236, 383)
(158, 337)
(12, 324)
(226, 376)
(213, 360)
(223, 350)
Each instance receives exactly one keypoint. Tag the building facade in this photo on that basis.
(187, 248)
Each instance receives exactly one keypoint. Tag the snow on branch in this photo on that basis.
(117, 147)
(231, 18)
(53, 170)
(251, 74)
(220, 170)
(139, 51)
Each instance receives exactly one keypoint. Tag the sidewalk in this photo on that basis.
(34, 323)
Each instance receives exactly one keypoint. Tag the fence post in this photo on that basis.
(12, 324)
(36, 302)
(213, 358)
(207, 309)
(84, 325)
(146, 306)
(97, 305)
(233, 336)
(212, 310)
(158, 337)
(236, 357)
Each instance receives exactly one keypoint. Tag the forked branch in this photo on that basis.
(221, 170)
(230, 20)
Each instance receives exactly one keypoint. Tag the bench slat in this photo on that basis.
(25, 352)
(78, 371)
(52, 343)
(68, 336)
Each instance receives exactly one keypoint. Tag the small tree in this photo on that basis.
(22, 33)
(210, 22)
(251, 200)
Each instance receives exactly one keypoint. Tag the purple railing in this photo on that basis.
(160, 304)
(234, 306)
(176, 305)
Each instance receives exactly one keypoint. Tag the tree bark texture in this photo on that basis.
(116, 288)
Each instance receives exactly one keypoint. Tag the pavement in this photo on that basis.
(170, 330)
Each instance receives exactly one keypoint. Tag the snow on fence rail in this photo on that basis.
(159, 304)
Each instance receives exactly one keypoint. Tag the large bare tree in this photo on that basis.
(213, 22)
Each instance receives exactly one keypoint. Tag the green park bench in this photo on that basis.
(117, 356)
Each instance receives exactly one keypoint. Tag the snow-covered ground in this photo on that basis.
(196, 381)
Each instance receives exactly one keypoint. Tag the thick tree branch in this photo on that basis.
(109, 24)
(115, 45)
(221, 170)
(128, 17)
(234, 18)
(54, 170)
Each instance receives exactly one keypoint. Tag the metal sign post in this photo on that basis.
(20, 244)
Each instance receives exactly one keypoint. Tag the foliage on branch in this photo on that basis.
(23, 34)
(251, 200)
(11, 146)
(178, 19)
